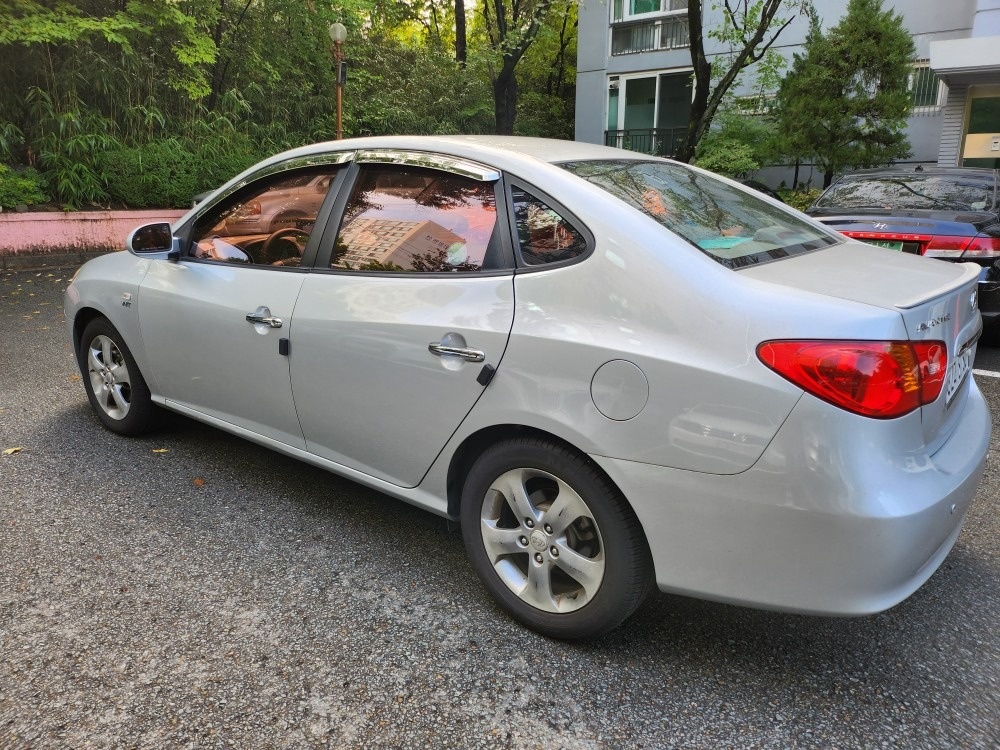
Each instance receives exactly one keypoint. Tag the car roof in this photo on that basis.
(497, 148)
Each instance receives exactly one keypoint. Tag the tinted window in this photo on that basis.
(916, 191)
(543, 234)
(268, 223)
(729, 224)
(411, 219)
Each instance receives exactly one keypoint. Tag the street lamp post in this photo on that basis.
(338, 35)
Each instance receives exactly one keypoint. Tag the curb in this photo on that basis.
(38, 261)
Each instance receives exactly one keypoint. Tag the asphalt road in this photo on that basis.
(190, 589)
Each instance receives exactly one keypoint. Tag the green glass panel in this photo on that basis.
(644, 6)
(984, 115)
(613, 109)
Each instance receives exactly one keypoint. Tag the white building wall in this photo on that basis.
(927, 21)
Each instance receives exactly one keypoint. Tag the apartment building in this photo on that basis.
(634, 74)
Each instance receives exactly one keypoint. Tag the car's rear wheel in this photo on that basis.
(553, 540)
(115, 387)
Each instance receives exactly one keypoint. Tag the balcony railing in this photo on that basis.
(666, 33)
(654, 141)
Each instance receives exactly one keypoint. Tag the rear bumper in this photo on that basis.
(822, 524)
(989, 294)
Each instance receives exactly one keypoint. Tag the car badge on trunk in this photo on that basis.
(880, 226)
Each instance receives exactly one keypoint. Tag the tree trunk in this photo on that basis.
(461, 52)
(827, 178)
(505, 100)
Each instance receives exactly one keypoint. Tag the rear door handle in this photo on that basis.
(263, 315)
(470, 355)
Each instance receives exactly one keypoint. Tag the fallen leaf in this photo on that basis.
(74, 378)
(161, 450)
(12, 451)
(198, 481)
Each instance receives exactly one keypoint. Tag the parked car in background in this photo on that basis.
(614, 370)
(952, 214)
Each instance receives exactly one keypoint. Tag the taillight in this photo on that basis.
(880, 379)
(946, 246)
(966, 248)
(982, 246)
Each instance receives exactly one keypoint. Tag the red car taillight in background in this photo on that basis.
(950, 247)
(880, 379)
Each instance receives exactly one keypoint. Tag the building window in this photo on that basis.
(926, 89)
(649, 112)
(667, 33)
(625, 10)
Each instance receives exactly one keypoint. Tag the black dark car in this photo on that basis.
(952, 214)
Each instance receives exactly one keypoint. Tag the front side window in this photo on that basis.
(413, 219)
(266, 224)
(730, 225)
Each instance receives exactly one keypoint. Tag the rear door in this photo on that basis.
(397, 331)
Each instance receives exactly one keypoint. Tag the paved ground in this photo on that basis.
(193, 590)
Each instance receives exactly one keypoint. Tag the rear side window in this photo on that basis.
(910, 191)
(543, 235)
(731, 225)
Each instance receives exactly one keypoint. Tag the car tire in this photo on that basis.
(553, 540)
(116, 389)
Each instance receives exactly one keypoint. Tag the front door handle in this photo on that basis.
(470, 355)
(263, 315)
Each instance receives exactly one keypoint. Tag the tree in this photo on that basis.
(510, 30)
(846, 99)
(749, 29)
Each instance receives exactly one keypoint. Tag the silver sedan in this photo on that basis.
(616, 371)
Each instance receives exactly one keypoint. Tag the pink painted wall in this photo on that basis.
(73, 232)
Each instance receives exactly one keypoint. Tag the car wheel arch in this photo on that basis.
(473, 446)
(80, 321)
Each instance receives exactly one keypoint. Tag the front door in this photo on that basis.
(213, 323)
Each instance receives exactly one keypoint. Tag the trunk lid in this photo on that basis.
(911, 231)
(936, 300)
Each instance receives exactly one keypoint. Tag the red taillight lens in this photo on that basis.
(982, 247)
(880, 379)
(946, 246)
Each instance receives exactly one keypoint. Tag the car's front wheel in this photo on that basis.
(115, 387)
(553, 539)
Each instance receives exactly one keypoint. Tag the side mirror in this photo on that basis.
(151, 239)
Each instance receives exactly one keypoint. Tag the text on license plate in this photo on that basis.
(886, 243)
(958, 370)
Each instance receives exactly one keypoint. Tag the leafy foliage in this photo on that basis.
(96, 88)
(749, 28)
(20, 188)
(800, 199)
(846, 99)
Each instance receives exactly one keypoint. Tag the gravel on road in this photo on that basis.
(189, 589)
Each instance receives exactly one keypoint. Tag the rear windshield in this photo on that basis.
(916, 191)
(732, 225)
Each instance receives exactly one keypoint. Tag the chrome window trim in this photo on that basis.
(462, 167)
(315, 160)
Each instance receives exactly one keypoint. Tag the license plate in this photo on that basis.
(958, 371)
(886, 243)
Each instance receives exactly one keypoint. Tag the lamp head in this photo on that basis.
(338, 33)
